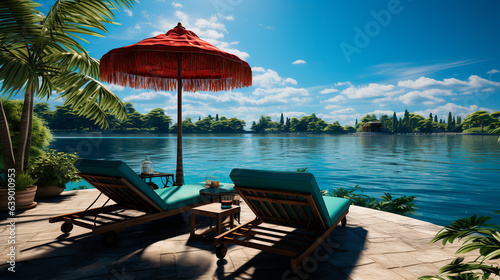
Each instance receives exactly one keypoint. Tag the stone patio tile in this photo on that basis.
(419, 270)
(394, 260)
(148, 258)
(431, 255)
(190, 265)
(345, 259)
(387, 247)
(372, 271)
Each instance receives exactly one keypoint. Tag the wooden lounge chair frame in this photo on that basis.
(108, 220)
(275, 210)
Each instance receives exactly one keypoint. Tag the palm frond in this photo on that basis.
(90, 98)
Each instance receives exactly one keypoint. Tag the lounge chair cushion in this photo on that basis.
(177, 197)
(285, 181)
(119, 169)
(336, 206)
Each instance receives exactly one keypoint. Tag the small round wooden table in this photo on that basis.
(213, 193)
(213, 210)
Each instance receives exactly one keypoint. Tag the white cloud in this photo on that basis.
(408, 70)
(114, 87)
(427, 97)
(258, 69)
(230, 17)
(299, 61)
(492, 71)
(212, 22)
(379, 113)
(129, 12)
(148, 96)
(137, 26)
(371, 90)
(270, 78)
(183, 17)
(176, 5)
(332, 107)
(473, 83)
(337, 99)
(343, 84)
(442, 111)
(145, 14)
(328, 90)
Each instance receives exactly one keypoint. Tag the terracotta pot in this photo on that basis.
(48, 191)
(24, 199)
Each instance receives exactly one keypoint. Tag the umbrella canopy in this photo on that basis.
(178, 60)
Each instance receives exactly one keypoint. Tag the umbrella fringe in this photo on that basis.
(200, 71)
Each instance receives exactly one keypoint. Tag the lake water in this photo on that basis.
(453, 176)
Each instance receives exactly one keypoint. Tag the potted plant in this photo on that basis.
(19, 185)
(53, 170)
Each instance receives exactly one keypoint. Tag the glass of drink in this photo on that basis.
(208, 181)
(226, 201)
(215, 182)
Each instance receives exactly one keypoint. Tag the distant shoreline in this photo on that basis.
(103, 133)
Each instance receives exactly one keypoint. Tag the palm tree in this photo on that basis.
(40, 55)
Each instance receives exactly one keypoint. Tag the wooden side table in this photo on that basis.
(160, 175)
(213, 210)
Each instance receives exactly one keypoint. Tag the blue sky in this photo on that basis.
(338, 59)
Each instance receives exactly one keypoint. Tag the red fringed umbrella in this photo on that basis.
(176, 60)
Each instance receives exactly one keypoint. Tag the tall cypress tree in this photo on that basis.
(436, 118)
(450, 118)
(394, 122)
(282, 120)
(216, 117)
(430, 116)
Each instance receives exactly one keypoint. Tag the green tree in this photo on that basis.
(129, 107)
(41, 135)
(282, 120)
(349, 129)
(39, 55)
(394, 122)
(156, 119)
(188, 126)
(478, 119)
(435, 118)
(236, 125)
(135, 121)
(205, 124)
(334, 128)
(261, 126)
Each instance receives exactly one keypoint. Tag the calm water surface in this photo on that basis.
(452, 176)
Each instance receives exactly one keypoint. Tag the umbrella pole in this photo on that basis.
(179, 173)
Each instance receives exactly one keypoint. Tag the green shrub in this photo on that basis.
(476, 234)
(402, 205)
(54, 168)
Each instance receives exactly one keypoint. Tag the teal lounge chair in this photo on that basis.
(292, 217)
(122, 185)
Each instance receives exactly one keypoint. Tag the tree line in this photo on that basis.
(64, 118)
